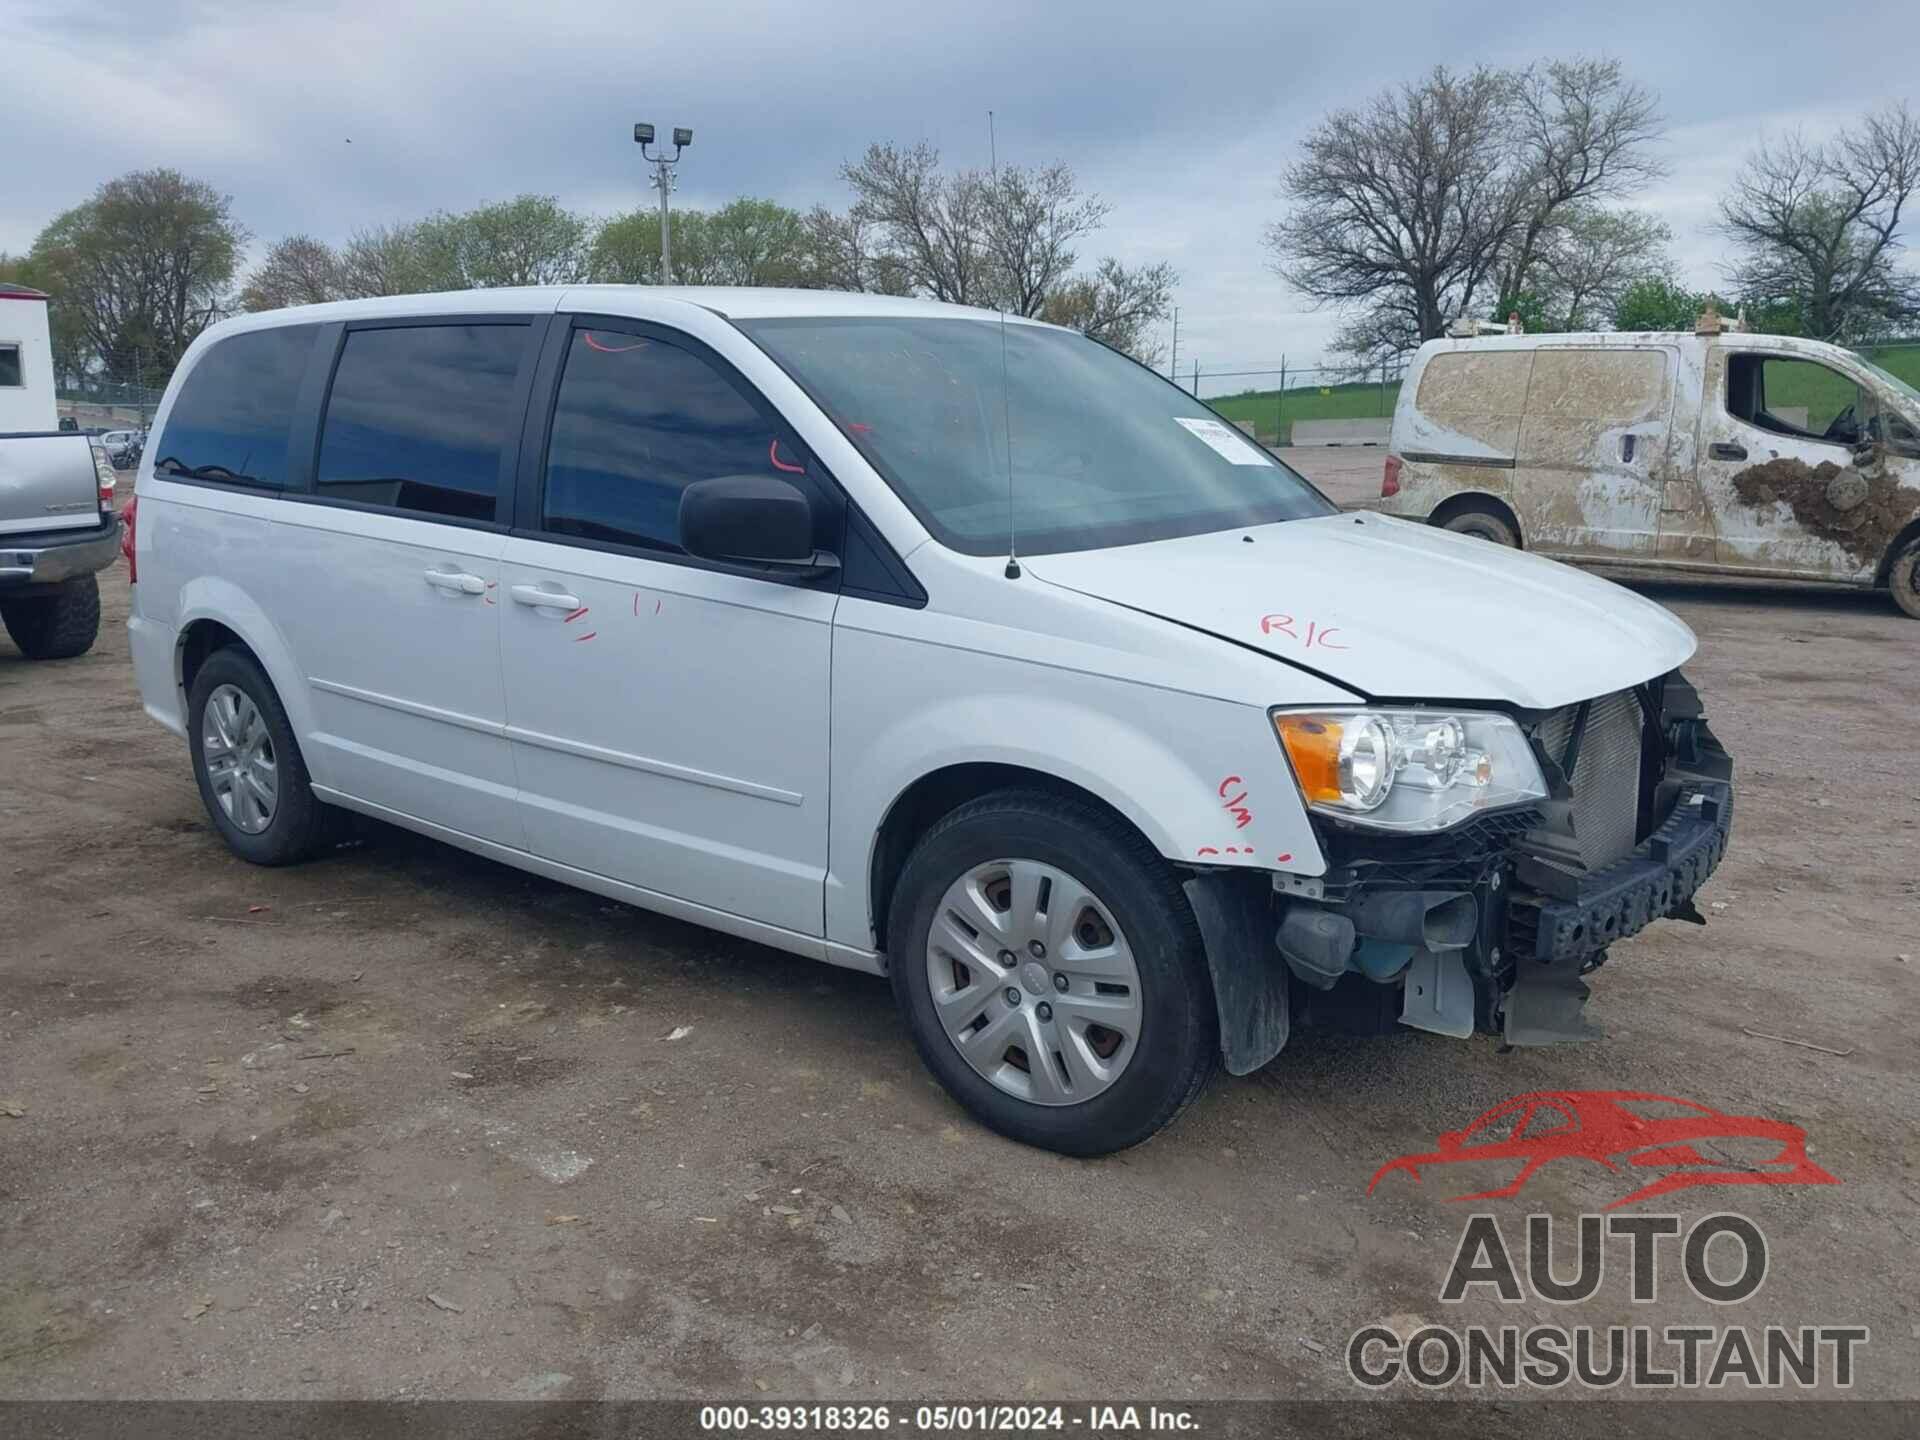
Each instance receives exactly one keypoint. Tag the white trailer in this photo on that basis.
(26, 361)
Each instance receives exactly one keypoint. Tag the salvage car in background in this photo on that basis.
(1721, 451)
(709, 601)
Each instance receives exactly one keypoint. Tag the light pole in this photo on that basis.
(663, 182)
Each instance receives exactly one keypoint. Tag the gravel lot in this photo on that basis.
(407, 1123)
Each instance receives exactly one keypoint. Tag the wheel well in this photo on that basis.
(1900, 542)
(199, 641)
(1477, 504)
(921, 805)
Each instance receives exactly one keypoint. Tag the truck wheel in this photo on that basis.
(57, 626)
(1484, 525)
(1903, 578)
(1051, 974)
(248, 766)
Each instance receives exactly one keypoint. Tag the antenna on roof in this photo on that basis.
(1006, 424)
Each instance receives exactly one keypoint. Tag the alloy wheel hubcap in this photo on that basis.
(241, 767)
(1010, 932)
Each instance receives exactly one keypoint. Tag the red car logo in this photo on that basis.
(1624, 1130)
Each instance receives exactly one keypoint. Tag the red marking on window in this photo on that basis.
(773, 454)
(588, 636)
(1321, 639)
(636, 602)
(575, 615)
(1207, 850)
(859, 426)
(1283, 859)
(656, 606)
(1282, 623)
(593, 344)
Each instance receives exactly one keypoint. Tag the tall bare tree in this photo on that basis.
(298, 270)
(933, 224)
(1593, 258)
(1445, 191)
(1032, 218)
(1819, 224)
(1116, 305)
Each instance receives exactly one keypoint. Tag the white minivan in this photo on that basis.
(941, 645)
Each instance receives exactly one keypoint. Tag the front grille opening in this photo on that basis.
(1605, 779)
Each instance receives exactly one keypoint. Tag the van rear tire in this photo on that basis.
(57, 626)
(1482, 525)
(1903, 578)
(248, 736)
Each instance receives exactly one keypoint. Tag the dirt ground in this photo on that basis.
(406, 1123)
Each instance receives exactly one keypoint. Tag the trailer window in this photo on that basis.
(11, 377)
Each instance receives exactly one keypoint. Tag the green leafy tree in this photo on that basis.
(298, 270)
(145, 264)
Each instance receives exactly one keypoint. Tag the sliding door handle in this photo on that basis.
(1721, 450)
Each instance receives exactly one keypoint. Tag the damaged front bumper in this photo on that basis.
(1489, 926)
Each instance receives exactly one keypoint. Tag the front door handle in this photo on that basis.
(544, 599)
(1721, 450)
(458, 581)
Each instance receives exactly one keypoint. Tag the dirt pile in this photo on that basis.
(1863, 530)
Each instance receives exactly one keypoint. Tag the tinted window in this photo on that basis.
(231, 419)
(10, 367)
(419, 417)
(636, 421)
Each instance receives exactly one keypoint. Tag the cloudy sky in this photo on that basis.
(1179, 114)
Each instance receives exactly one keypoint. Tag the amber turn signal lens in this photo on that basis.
(1312, 744)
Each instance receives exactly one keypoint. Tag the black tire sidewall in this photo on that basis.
(58, 626)
(1482, 526)
(1903, 579)
(292, 834)
(1178, 1031)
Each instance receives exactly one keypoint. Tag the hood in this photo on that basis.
(1393, 609)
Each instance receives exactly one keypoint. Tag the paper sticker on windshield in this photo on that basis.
(1222, 439)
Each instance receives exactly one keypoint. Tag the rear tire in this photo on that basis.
(57, 626)
(1134, 909)
(1483, 525)
(296, 824)
(1903, 578)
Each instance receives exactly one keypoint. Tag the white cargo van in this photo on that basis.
(904, 637)
(1720, 451)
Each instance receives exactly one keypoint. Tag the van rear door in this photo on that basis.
(1592, 453)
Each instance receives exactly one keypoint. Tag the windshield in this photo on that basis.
(1103, 451)
(1893, 382)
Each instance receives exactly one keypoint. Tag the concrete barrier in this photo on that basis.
(1341, 432)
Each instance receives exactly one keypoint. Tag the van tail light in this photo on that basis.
(1390, 480)
(126, 539)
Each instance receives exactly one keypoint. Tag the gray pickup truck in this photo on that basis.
(57, 529)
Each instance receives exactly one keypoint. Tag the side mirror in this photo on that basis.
(750, 520)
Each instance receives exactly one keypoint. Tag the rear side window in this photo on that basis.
(636, 421)
(419, 418)
(231, 420)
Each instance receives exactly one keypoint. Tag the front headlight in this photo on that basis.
(1408, 769)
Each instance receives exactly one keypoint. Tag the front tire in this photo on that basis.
(1051, 973)
(1903, 578)
(248, 766)
(57, 626)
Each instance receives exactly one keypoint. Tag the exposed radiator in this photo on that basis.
(1606, 775)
